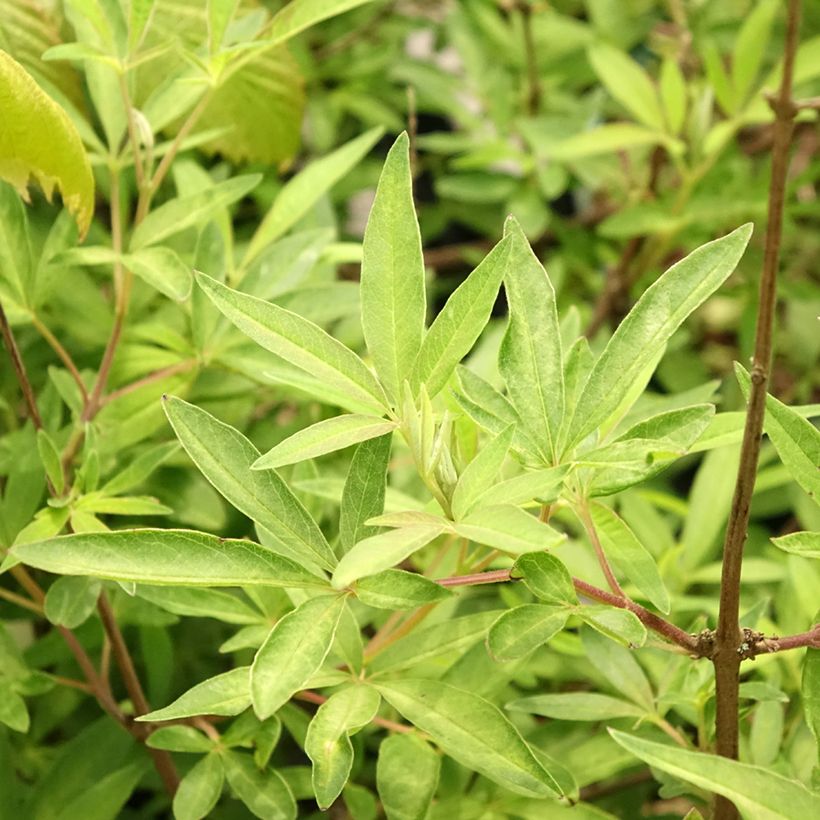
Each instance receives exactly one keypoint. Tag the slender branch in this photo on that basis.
(492, 577)
(727, 638)
(19, 369)
(21, 601)
(589, 526)
(530, 56)
(766, 645)
(375, 646)
(62, 353)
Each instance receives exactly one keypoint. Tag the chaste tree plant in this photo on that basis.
(458, 595)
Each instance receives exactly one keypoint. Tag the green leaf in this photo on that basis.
(461, 321)
(806, 544)
(673, 95)
(576, 706)
(524, 628)
(810, 690)
(139, 13)
(619, 666)
(71, 600)
(13, 711)
(40, 140)
(628, 83)
(796, 439)
(200, 789)
(301, 14)
(225, 457)
(508, 529)
(175, 557)
(392, 276)
(530, 357)
(299, 342)
(186, 211)
(139, 469)
(610, 139)
(364, 491)
(472, 731)
(265, 793)
(225, 694)
(480, 473)
(542, 485)
(301, 193)
(179, 739)
(380, 552)
(396, 589)
(50, 457)
(16, 268)
(220, 13)
(629, 556)
(619, 624)
(328, 738)
(773, 797)
(106, 797)
(751, 45)
(324, 437)
(407, 773)
(162, 269)
(650, 324)
(546, 577)
(200, 603)
(293, 652)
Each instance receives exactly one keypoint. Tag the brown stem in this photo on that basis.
(62, 353)
(374, 647)
(493, 577)
(20, 370)
(21, 601)
(728, 636)
(533, 81)
(767, 645)
(589, 526)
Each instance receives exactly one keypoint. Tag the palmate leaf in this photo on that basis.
(39, 140)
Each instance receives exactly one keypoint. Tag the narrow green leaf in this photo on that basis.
(71, 600)
(396, 589)
(364, 491)
(508, 529)
(392, 277)
(50, 457)
(751, 45)
(16, 267)
(524, 628)
(200, 789)
(139, 469)
(546, 577)
(806, 544)
(139, 13)
(673, 94)
(13, 711)
(225, 457)
(650, 324)
(407, 772)
(810, 690)
(380, 552)
(328, 738)
(299, 342)
(480, 473)
(472, 731)
(773, 797)
(461, 321)
(179, 739)
(618, 665)
(619, 624)
(186, 211)
(576, 706)
(175, 557)
(225, 694)
(301, 14)
(530, 358)
(265, 793)
(106, 797)
(193, 602)
(301, 193)
(324, 437)
(543, 486)
(220, 13)
(629, 556)
(293, 652)
(162, 269)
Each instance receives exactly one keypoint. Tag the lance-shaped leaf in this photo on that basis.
(650, 324)
(327, 743)
(264, 792)
(364, 491)
(392, 278)
(618, 665)
(796, 439)
(299, 15)
(293, 652)
(629, 555)
(619, 624)
(773, 797)
(461, 321)
(546, 577)
(396, 589)
(407, 774)
(524, 628)
(71, 600)
(165, 557)
(225, 694)
(379, 552)
(201, 603)
(806, 544)
(508, 529)
(324, 437)
(472, 731)
(162, 269)
(542, 485)
(480, 473)
(298, 341)
(577, 706)
(38, 139)
(200, 789)
(225, 457)
(530, 358)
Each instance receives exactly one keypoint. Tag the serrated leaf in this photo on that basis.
(472, 731)
(546, 577)
(328, 738)
(773, 797)
(299, 342)
(479, 474)
(524, 628)
(225, 694)
(407, 773)
(396, 589)
(200, 789)
(324, 437)
(265, 793)
(650, 324)
(392, 275)
(175, 557)
(40, 140)
(225, 457)
(293, 652)
(508, 529)
(806, 544)
(576, 706)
